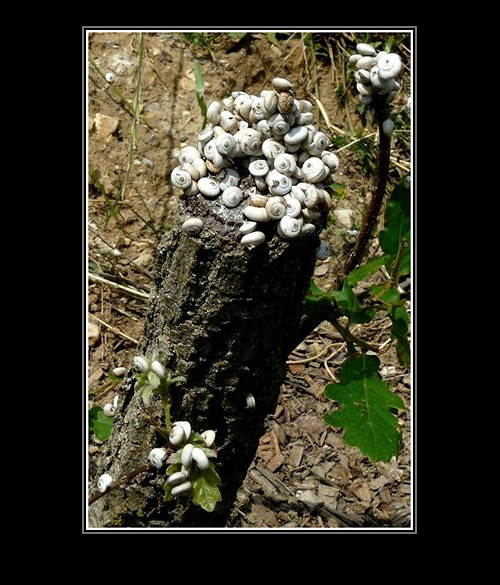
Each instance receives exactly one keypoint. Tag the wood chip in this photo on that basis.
(321, 270)
(296, 368)
(295, 455)
(276, 462)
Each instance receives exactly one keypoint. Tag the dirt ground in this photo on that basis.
(303, 474)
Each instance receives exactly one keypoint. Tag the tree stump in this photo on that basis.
(228, 317)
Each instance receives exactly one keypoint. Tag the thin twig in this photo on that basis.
(115, 330)
(354, 141)
(131, 291)
(348, 336)
(311, 359)
(125, 479)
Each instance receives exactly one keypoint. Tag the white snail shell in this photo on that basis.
(226, 144)
(258, 200)
(180, 178)
(323, 251)
(187, 454)
(271, 148)
(192, 226)
(285, 163)
(364, 89)
(389, 65)
(258, 168)
(282, 84)
(297, 193)
(250, 142)
(365, 62)
(119, 371)
(177, 478)
(307, 229)
(256, 213)
(185, 426)
(311, 214)
(141, 363)
(363, 75)
(200, 459)
(213, 113)
(104, 482)
(176, 436)
(232, 196)
(158, 369)
(289, 227)
(208, 187)
(321, 141)
(109, 410)
(278, 183)
(365, 99)
(313, 169)
(110, 77)
(305, 118)
(206, 134)
(278, 124)
(331, 160)
(295, 135)
(200, 165)
(311, 197)
(250, 400)
(388, 127)
(181, 489)
(157, 457)
(253, 239)
(208, 437)
(231, 179)
(275, 207)
(247, 227)
(305, 106)
(228, 121)
(192, 170)
(187, 154)
(365, 49)
(270, 102)
(264, 129)
(293, 206)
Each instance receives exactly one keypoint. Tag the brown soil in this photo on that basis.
(303, 474)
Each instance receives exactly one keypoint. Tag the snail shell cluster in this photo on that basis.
(376, 73)
(261, 154)
(191, 456)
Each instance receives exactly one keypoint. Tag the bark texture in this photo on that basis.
(228, 317)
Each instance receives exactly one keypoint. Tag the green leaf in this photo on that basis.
(350, 306)
(271, 37)
(400, 321)
(366, 270)
(317, 303)
(365, 413)
(199, 88)
(339, 190)
(154, 380)
(100, 423)
(206, 492)
(389, 296)
(397, 224)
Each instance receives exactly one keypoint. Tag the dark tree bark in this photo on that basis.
(229, 318)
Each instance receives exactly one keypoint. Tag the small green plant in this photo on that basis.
(100, 423)
(190, 471)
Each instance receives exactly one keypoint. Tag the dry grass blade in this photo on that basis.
(115, 330)
(132, 291)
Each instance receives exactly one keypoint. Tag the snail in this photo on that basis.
(289, 227)
(256, 213)
(209, 187)
(199, 457)
(157, 457)
(109, 410)
(181, 489)
(247, 227)
(110, 77)
(323, 251)
(142, 363)
(120, 371)
(180, 432)
(250, 400)
(180, 178)
(208, 437)
(275, 207)
(192, 226)
(187, 454)
(177, 478)
(253, 239)
(231, 179)
(158, 369)
(366, 49)
(104, 482)
(232, 196)
(388, 127)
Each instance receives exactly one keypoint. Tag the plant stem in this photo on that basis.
(397, 261)
(125, 479)
(371, 217)
(348, 336)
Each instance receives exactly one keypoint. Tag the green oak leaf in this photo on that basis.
(100, 423)
(350, 306)
(365, 408)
